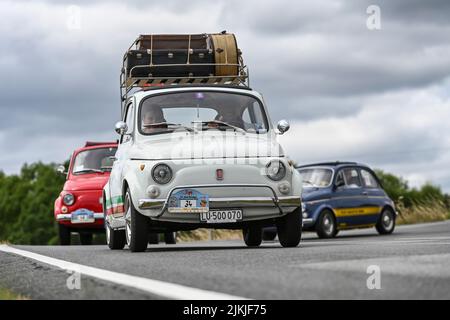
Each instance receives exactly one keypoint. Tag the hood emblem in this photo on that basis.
(142, 167)
(219, 174)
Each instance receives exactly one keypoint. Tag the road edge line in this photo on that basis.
(156, 287)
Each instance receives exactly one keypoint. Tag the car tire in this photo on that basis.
(136, 226)
(115, 239)
(326, 226)
(170, 237)
(86, 238)
(64, 235)
(269, 235)
(289, 229)
(252, 236)
(153, 238)
(386, 222)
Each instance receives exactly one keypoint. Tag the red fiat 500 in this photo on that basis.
(79, 205)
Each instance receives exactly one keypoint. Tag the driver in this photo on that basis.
(153, 119)
(229, 116)
(351, 176)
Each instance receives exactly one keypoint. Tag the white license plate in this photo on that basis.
(221, 216)
(82, 216)
(82, 219)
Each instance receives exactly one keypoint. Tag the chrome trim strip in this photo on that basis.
(68, 216)
(230, 202)
(308, 220)
(342, 197)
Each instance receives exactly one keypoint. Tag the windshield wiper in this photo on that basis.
(225, 124)
(89, 170)
(178, 125)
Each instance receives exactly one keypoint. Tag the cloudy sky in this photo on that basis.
(351, 93)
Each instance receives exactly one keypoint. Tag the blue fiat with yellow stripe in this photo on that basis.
(344, 195)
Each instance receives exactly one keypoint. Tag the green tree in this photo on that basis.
(394, 186)
(26, 204)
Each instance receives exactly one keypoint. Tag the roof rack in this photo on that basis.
(129, 80)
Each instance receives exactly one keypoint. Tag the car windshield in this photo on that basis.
(94, 160)
(316, 177)
(202, 110)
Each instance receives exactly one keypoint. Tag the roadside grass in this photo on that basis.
(9, 295)
(209, 234)
(429, 211)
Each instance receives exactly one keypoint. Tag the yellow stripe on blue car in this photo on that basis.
(361, 211)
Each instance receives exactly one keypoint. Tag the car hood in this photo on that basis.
(311, 194)
(86, 182)
(205, 145)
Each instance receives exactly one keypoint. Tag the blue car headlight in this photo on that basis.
(303, 207)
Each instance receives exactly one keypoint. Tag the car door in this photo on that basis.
(121, 157)
(374, 196)
(348, 198)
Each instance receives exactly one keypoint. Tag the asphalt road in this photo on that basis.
(414, 263)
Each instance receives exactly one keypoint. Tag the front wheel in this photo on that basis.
(289, 229)
(64, 235)
(326, 225)
(386, 222)
(252, 236)
(136, 229)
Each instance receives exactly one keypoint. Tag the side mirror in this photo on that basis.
(61, 169)
(283, 126)
(121, 128)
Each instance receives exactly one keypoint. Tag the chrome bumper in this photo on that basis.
(275, 201)
(68, 216)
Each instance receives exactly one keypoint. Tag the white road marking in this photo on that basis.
(157, 287)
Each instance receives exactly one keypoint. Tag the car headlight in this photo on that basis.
(303, 207)
(68, 199)
(275, 170)
(161, 173)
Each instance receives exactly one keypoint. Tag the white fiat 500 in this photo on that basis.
(199, 156)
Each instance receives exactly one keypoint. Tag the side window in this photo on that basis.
(368, 179)
(129, 120)
(253, 118)
(351, 177)
(340, 179)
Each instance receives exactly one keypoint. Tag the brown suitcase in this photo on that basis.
(225, 51)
